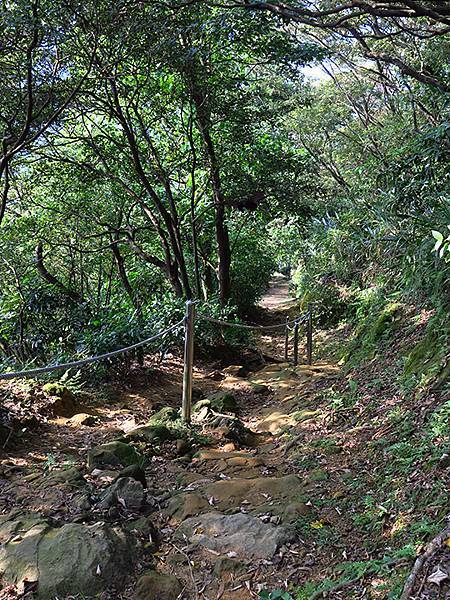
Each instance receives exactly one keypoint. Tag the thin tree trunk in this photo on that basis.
(120, 263)
(222, 236)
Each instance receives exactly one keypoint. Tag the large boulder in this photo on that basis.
(243, 534)
(69, 560)
(157, 586)
(114, 454)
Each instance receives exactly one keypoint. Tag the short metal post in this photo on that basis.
(309, 336)
(286, 340)
(296, 343)
(189, 328)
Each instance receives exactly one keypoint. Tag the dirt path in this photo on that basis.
(222, 499)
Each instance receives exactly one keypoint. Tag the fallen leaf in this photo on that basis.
(438, 576)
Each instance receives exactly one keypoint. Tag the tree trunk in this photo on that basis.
(222, 237)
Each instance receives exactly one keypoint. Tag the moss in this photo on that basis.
(426, 361)
(377, 325)
(54, 389)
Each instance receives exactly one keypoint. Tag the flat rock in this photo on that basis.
(73, 559)
(233, 492)
(182, 506)
(157, 586)
(244, 534)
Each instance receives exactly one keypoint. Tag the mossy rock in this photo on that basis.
(260, 388)
(197, 407)
(113, 454)
(64, 560)
(223, 401)
(317, 475)
(163, 416)
(150, 434)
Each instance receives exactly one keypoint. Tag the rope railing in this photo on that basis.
(90, 359)
(255, 327)
(188, 322)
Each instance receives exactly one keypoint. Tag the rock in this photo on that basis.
(229, 565)
(163, 416)
(260, 388)
(244, 534)
(235, 371)
(157, 586)
(294, 510)
(74, 559)
(183, 447)
(229, 447)
(197, 393)
(82, 419)
(223, 401)
(113, 454)
(197, 407)
(126, 492)
(150, 434)
(255, 492)
(70, 475)
(81, 503)
(216, 375)
(232, 429)
(204, 413)
(63, 401)
(182, 506)
(135, 472)
(317, 475)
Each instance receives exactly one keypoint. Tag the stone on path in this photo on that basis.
(157, 586)
(125, 492)
(244, 534)
(113, 454)
(82, 419)
(69, 560)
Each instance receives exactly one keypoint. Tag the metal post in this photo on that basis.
(189, 329)
(309, 336)
(286, 340)
(296, 343)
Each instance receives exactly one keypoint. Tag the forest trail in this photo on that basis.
(253, 497)
(221, 499)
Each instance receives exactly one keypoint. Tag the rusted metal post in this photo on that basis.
(309, 336)
(296, 343)
(189, 329)
(286, 341)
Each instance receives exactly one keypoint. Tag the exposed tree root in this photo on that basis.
(431, 548)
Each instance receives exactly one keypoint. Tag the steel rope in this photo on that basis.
(254, 327)
(91, 359)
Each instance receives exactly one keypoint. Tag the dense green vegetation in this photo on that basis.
(152, 155)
